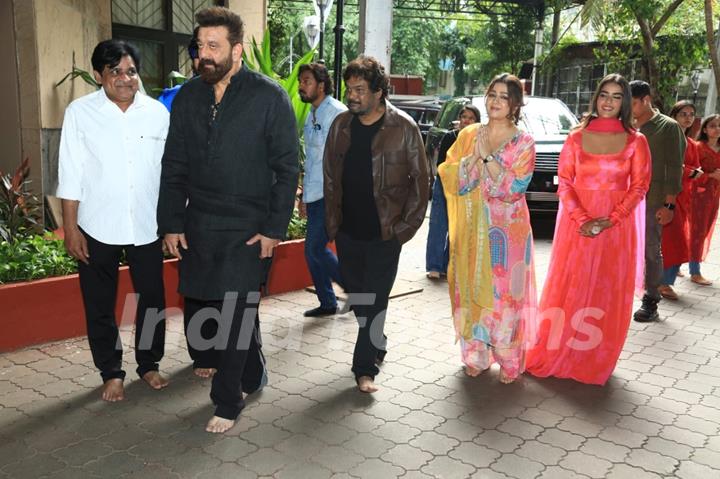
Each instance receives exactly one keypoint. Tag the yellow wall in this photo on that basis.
(254, 15)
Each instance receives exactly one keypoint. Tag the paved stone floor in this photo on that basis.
(659, 415)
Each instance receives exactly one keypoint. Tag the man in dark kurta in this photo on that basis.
(229, 175)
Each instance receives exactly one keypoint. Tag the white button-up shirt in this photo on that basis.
(110, 162)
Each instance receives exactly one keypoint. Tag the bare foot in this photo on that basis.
(219, 425)
(113, 391)
(504, 378)
(154, 380)
(366, 384)
(204, 372)
(472, 372)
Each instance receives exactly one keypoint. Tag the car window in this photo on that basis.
(430, 116)
(547, 117)
(449, 113)
(415, 114)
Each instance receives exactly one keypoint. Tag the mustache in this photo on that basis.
(207, 61)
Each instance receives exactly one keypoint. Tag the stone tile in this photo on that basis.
(474, 455)
(447, 468)
(375, 468)
(580, 427)
(265, 435)
(640, 426)
(227, 470)
(500, 441)
(407, 457)
(397, 432)
(434, 443)
(586, 464)
(368, 445)
(304, 469)
(414, 401)
(300, 446)
(694, 470)
(115, 465)
(83, 452)
(459, 430)
(337, 459)
(683, 436)
(540, 417)
(332, 434)
(517, 466)
(623, 437)
(519, 428)
(230, 449)
(562, 439)
(624, 471)
(557, 472)
(541, 452)
(421, 420)
(265, 462)
(651, 461)
(605, 450)
(697, 425)
(707, 457)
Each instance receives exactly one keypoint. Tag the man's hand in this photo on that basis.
(664, 216)
(76, 244)
(173, 242)
(266, 244)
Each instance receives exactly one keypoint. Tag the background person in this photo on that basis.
(316, 87)
(597, 251)
(110, 149)
(491, 274)
(667, 149)
(676, 234)
(437, 252)
(705, 197)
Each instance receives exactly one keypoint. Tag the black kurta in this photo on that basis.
(227, 179)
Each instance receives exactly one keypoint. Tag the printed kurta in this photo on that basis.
(705, 200)
(587, 299)
(491, 273)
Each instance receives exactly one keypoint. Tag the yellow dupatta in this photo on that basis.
(469, 271)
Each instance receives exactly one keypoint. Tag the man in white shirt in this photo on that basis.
(110, 151)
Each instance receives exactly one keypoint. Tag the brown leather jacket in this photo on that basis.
(400, 174)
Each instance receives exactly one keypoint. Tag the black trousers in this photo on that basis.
(368, 269)
(99, 283)
(225, 335)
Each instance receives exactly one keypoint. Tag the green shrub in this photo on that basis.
(34, 257)
(297, 229)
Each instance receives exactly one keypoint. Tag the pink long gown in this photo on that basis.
(587, 299)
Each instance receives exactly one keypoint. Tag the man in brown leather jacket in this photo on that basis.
(376, 185)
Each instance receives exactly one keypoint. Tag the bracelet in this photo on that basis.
(669, 206)
(487, 159)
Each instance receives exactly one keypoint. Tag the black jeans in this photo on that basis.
(368, 269)
(227, 337)
(99, 283)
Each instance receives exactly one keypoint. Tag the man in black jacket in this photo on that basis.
(229, 175)
(376, 187)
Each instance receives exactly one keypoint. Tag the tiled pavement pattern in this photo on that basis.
(659, 416)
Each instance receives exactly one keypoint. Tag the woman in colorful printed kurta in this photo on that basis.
(598, 248)
(705, 197)
(491, 274)
(676, 234)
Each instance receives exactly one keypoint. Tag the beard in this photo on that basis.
(307, 98)
(212, 72)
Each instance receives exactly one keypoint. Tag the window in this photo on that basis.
(161, 29)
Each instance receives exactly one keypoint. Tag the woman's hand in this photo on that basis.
(594, 227)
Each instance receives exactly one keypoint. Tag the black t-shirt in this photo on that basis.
(360, 218)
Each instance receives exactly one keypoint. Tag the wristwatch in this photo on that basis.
(670, 206)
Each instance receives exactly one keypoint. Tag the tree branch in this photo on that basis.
(712, 46)
(665, 17)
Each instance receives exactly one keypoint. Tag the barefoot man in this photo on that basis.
(376, 192)
(110, 150)
(229, 176)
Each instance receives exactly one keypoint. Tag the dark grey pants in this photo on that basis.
(653, 253)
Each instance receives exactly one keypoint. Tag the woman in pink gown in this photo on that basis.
(597, 254)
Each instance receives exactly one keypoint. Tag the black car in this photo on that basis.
(548, 120)
(423, 109)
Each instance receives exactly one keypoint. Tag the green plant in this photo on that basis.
(34, 257)
(19, 208)
(297, 229)
(78, 72)
(261, 61)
